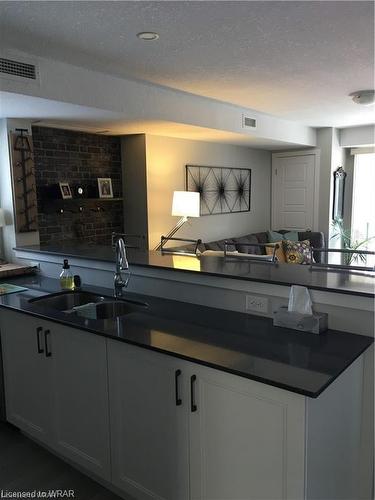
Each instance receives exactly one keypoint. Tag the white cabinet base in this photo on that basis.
(27, 380)
(112, 410)
(60, 399)
(80, 398)
(149, 432)
(246, 440)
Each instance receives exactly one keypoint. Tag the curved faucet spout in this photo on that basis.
(121, 257)
(122, 264)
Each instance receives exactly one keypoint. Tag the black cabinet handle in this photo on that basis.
(176, 376)
(48, 352)
(38, 332)
(193, 406)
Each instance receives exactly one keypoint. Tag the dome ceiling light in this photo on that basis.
(149, 36)
(363, 97)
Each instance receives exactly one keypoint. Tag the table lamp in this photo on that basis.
(185, 204)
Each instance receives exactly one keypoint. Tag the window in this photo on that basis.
(363, 205)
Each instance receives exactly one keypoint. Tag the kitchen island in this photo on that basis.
(217, 282)
(210, 265)
(235, 286)
(175, 398)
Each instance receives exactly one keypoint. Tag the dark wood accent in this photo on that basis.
(24, 184)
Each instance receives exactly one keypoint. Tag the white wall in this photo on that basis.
(133, 158)
(9, 236)
(166, 160)
(332, 156)
(357, 136)
(6, 198)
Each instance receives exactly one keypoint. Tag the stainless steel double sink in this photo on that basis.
(88, 305)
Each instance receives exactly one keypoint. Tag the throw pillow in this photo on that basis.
(297, 252)
(274, 236)
(280, 255)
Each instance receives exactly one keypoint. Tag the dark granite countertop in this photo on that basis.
(281, 274)
(237, 343)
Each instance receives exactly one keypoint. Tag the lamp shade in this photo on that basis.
(186, 204)
(2, 217)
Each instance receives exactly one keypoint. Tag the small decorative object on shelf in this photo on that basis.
(79, 191)
(105, 187)
(23, 174)
(65, 190)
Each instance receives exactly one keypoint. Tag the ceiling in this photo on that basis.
(298, 60)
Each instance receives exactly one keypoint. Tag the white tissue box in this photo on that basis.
(315, 323)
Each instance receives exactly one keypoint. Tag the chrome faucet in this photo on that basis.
(122, 264)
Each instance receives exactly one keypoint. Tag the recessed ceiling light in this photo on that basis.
(148, 36)
(364, 97)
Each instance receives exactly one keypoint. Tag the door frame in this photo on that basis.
(311, 152)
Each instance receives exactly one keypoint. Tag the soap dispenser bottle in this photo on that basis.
(66, 277)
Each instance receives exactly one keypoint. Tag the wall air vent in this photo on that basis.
(248, 122)
(18, 69)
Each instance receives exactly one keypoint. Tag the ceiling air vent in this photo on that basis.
(16, 68)
(248, 122)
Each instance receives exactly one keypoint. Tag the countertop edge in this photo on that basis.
(238, 373)
(341, 291)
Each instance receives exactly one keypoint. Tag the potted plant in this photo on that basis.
(348, 243)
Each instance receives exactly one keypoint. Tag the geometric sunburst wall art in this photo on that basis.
(222, 190)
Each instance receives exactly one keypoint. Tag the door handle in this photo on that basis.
(177, 396)
(38, 332)
(193, 406)
(46, 335)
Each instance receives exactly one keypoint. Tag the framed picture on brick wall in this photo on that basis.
(105, 187)
(65, 190)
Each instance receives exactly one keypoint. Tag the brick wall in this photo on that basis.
(77, 158)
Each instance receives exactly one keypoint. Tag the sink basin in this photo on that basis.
(116, 308)
(65, 301)
(99, 307)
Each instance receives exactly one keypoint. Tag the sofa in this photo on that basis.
(315, 238)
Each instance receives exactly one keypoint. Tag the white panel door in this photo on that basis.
(246, 440)
(27, 374)
(149, 423)
(80, 398)
(293, 192)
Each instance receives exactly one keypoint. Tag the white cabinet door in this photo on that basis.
(293, 192)
(80, 398)
(149, 428)
(246, 439)
(26, 374)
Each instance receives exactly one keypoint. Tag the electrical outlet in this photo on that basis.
(256, 304)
